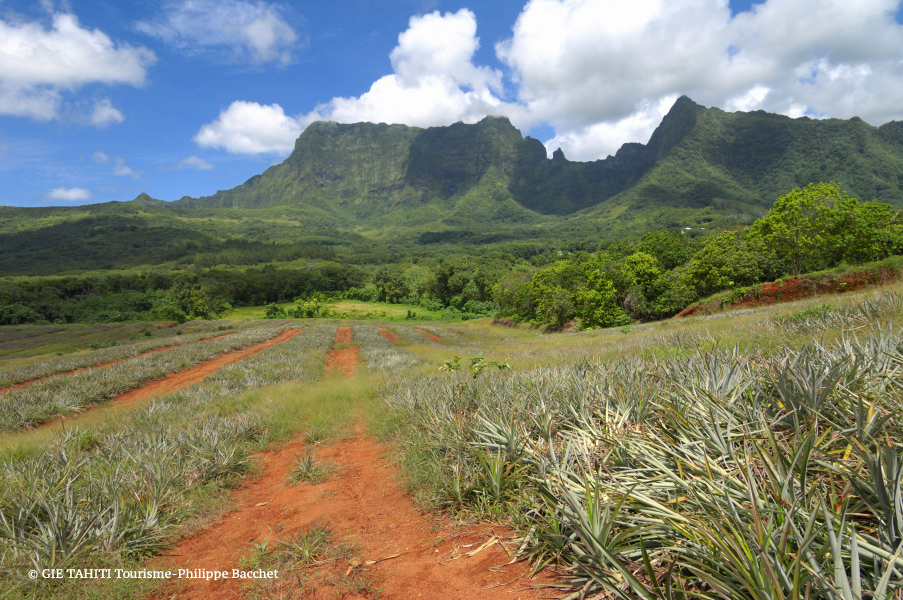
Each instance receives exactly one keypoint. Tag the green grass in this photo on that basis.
(356, 310)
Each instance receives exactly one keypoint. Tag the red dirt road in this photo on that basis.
(363, 504)
(102, 365)
(362, 501)
(343, 359)
(432, 336)
(388, 335)
(175, 381)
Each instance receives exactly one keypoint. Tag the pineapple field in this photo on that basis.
(748, 454)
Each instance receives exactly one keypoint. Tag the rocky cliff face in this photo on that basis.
(697, 157)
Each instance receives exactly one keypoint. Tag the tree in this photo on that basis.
(724, 262)
(552, 291)
(801, 228)
(669, 248)
(596, 303)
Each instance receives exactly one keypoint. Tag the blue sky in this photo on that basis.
(101, 101)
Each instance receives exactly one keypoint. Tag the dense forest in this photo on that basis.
(597, 284)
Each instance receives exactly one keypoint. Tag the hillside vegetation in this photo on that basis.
(375, 190)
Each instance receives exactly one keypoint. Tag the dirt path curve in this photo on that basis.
(388, 335)
(176, 381)
(362, 500)
(23, 384)
(26, 337)
(343, 359)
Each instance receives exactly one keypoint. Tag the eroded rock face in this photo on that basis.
(735, 163)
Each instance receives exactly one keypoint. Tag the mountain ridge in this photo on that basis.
(368, 185)
(708, 157)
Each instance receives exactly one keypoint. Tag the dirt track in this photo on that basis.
(432, 336)
(363, 504)
(388, 335)
(343, 359)
(176, 381)
(17, 386)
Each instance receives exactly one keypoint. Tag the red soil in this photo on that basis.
(432, 336)
(388, 335)
(362, 501)
(23, 384)
(343, 359)
(176, 381)
(797, 289)
(395, 547)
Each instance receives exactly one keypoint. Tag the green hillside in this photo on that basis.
(367, 186)
(699, 163)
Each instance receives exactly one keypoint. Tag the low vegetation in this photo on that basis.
(109, 353)
(113, 495)
(685, 469)
(62, 394)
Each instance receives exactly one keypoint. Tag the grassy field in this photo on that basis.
(746, 454)
(353, 309)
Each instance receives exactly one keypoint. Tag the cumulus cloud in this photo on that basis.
(255, 31)
(598, 69)
(37, 64)
(251, 128)
(435, 82)
(122, 170)
(600, 139)
(105, 114)
(74, 194)
(193, 162)
(101, 158)
(604, 72)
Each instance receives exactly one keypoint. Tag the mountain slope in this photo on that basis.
(363, 183)
(698, 157)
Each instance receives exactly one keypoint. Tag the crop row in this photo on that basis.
(97, 497)
(380, 354)
(717, 474)
(61, 394)
(85, 360)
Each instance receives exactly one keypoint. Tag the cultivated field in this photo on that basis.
(753, 454)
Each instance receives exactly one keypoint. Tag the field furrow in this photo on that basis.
(63, 394)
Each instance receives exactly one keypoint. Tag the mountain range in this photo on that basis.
(484, 182)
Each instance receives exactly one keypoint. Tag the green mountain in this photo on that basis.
(487, 175)
(367, 183)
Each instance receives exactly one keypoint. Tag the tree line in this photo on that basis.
(641, 278)
(659, 274)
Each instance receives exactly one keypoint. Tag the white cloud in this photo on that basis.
(251, 128)
(37, 64)
(74, 194)
(598, 70)
(435, 83)
(100, 157)
(435, 80)
(105, 114)
(604, 72)
(601, 139)
(255, 31)
(122, 170)
(193, 162)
